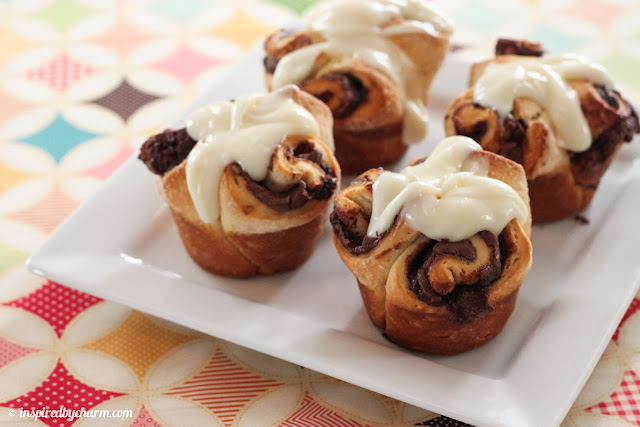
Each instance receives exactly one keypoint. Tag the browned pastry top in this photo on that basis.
(561, 182)
(166, 150)
(299, 194)
(281, 42)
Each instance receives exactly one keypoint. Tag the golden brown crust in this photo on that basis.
(561, 182)
(380, 268)
(360, 150)
(283, 250)
(209, 247)
(252, 236)
(369, 267)
(419, 326)
(370, 133)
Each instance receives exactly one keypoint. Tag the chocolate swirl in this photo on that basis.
(589, 166)
(280, 43)
(342, 92)
(506, 137)
(457, 274)
(518, 47)
(352, 213)
(298, 173)
(166, 150)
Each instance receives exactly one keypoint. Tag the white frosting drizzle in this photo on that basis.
(246, 131)
(352, 28)
(543, 80)
(448, 196)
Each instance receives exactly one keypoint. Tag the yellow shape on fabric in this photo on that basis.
(11, 44)
(10, 177)
(139, 342)
(242, 29)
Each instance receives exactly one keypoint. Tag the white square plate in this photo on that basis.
(121, 245)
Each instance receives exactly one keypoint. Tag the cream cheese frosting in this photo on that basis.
(355, 27)
(543, 80)
(448, 196)
(246, 131)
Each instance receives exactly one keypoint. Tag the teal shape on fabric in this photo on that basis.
(10, 257)
(297, 6)
(623, 68)
(58, 138)
(553, 40)
(62, 14)
(181, 11)
(479, 17)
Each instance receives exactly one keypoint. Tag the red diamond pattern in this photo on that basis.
(313, 414)
(61, 72)
(624, 402)
(223, 387)
(635, 306)
(61, 390)
(144, 419)
(10, 352)
(56, 304)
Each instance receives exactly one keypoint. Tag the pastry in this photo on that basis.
(371, 62)
(440, 249)
(250, 182)
(558, 116)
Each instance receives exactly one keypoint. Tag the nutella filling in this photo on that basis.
(545, 81)
(166, 150)
(342, 92)
(270, 63)
(281, 43)
(589, 166)
(299, 194)
(472, 120)
(518, 47)
(513, 138)
(248, 131)
(457, 275)
(356, 244)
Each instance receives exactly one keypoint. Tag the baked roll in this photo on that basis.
(439, 250)
(249, 183)
(558, 116)
(371, 62)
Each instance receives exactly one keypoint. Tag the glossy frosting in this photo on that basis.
(354, 28)
(448, 196)
(543, 80)
(246, 131)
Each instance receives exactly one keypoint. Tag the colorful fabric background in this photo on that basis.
(82, 84)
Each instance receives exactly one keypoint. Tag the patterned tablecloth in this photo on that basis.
(82, 84)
